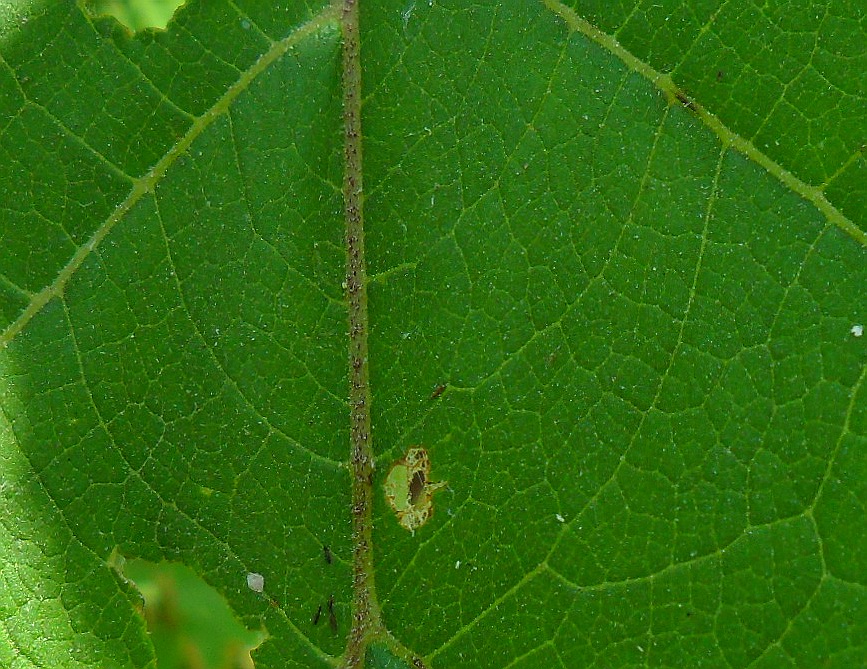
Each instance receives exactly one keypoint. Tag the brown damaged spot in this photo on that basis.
(409, 491)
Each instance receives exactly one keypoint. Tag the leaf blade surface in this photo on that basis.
(651, 412)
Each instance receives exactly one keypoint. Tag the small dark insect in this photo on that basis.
(685, 101)
(719, 75)
(439, 390)
(417, 663)
(316, 615)
(332, 619)
(326, 552)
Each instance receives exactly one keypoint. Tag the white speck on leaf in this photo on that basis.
(458, 564)
(256, 582)
(407, 14)
(560, 518)
(857, 330)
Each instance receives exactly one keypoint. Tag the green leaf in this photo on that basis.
(609, 275)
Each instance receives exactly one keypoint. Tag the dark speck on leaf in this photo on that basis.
(332, 619)
(685, 101)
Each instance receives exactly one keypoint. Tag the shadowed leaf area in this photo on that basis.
(615, 269)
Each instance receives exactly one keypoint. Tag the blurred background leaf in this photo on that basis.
(137, 14)
(190, 624)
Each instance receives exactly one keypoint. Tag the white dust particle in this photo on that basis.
(256, 582)
(458, 564)
(560, 518)
(857, 330)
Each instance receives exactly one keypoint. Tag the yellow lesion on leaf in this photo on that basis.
(409, 490)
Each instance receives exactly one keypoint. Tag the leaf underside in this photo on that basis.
(653, 417)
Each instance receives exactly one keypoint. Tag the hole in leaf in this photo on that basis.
(416, 487)
(409, 491)
(137, 14)
(190, 623)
